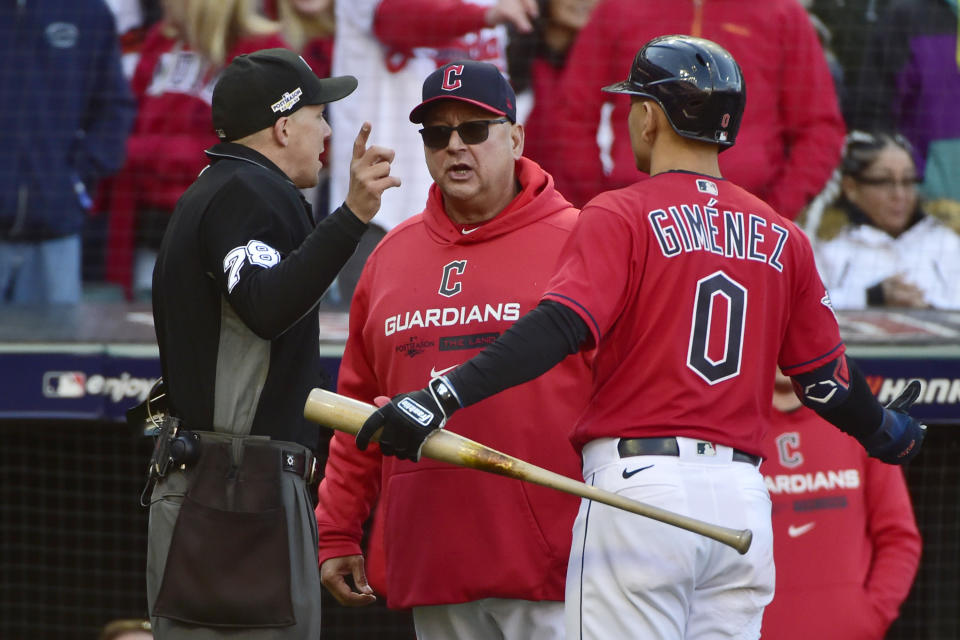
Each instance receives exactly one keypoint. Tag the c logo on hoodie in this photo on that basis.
(449, 289)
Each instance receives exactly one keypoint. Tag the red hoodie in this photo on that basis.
(846, 545)
(792, 131)
(431, 297)
(173, 87)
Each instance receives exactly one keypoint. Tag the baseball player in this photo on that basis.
(846, 543)
(232, 539)
(692, 291)
(473, 554)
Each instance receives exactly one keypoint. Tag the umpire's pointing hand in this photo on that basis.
(369, 176)
(408, 419)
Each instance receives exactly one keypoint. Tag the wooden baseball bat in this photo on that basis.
(348, 415)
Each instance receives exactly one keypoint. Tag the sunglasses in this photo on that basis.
(889, 184)
(472, 132)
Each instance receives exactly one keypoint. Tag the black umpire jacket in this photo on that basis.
(240, 272)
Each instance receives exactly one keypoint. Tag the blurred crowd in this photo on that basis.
(849, 127)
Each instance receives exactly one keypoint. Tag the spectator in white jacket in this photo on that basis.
(889, 251)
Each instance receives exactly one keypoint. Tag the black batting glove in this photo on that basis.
(409, 418)
(900, 435)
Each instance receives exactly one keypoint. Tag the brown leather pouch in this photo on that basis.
(229, 558)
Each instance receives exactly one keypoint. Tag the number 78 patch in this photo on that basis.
(254, 252)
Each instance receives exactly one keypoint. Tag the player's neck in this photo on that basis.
(685, 155)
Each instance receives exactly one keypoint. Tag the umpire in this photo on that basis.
(232, 547)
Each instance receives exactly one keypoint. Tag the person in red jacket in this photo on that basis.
(792, 132)
(179, 64)
(846, 545)
(536, 61)
(475, 555)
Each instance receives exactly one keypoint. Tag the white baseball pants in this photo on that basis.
(634, 577)
(504, 618)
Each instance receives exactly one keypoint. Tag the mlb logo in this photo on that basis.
(706, 186)
(64, 384)
(706, 449)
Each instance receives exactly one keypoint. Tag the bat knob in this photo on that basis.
(743, 541)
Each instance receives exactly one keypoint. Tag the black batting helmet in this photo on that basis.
(697, 83)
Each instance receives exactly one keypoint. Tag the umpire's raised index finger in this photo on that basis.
(360, 144)
(377, 154)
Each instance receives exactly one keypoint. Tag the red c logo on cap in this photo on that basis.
(449, 81)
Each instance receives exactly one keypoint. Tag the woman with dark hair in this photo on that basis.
(889, 251)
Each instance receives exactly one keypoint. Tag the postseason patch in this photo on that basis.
(286, 102)
(706, 186)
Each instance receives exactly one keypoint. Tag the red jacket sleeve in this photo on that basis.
(813, 126)
(347, 495)
(896, 540)
(405, 24)
(579, 176)
(351, 483)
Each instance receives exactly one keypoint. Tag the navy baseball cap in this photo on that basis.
(257, 89)
(479, 83)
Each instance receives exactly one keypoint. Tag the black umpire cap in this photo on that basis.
(257, 89)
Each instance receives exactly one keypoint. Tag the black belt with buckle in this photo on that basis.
(297, 463)
(668, 447)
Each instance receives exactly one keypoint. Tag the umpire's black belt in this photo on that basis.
(302, 464)
(628, 447)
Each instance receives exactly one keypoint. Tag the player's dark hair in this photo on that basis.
(862, 148)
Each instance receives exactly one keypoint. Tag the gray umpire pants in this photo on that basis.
(305, 586)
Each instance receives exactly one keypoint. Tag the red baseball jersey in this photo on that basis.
(846, 543)
(694, 290)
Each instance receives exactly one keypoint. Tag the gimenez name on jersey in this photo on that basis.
(732, 234)
(451, 316)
